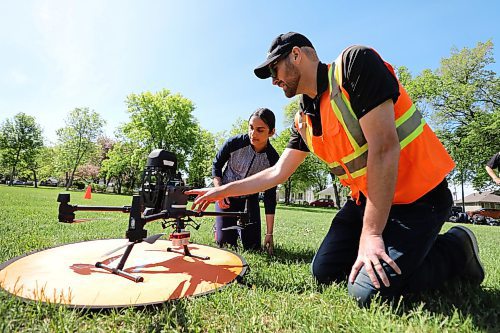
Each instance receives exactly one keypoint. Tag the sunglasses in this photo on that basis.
(272, 66)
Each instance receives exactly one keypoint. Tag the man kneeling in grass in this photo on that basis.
(357, 117)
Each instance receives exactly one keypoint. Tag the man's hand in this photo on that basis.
(379, 129)
(206, 196)
(371, 252)
(269, 244)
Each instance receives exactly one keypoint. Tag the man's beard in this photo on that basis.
(292, 82)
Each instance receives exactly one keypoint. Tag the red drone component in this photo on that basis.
(180, 238)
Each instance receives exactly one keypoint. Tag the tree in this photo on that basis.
(462, 97)
(122, 165)
(78, 140)
(240, 126)
(20, 141)
(33, 160)
(88, 172)
(202, 155)
(46, 162)
(162, 121)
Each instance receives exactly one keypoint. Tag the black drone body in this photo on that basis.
(161, 197)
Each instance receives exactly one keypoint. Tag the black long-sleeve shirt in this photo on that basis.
(242, 161)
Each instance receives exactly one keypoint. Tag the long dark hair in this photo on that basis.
(266, 115)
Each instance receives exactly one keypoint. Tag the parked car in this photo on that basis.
(322, 203)
(486, 212)
(18, 182)
(49, 182)
(492, 222)
(459, 218)
(485, 216)
(457, 215)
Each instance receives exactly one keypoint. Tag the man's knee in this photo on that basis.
(324, 273)
(319, 275)
(362, 290)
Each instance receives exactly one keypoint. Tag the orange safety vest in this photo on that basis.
(423, 161)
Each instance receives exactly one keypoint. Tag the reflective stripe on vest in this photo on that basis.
(408, 126)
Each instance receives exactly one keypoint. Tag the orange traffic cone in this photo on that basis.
(88, 193)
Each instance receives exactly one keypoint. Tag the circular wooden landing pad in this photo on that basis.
(67, 274)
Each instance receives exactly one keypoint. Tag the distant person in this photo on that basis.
(243, 156)
(357, 117)
(494, 163)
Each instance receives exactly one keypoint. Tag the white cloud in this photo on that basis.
(17, 77)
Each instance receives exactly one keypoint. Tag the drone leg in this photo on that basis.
(118, 270)
(187, 253)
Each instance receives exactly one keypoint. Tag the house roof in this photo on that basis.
(326, 191)
(481, 197)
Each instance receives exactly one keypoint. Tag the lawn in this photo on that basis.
(279, 294)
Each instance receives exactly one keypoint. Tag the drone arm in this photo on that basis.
(166, 214)
(67, 211)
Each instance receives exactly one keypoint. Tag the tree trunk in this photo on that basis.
(335, 190)
(132, 183)
(288, 190)
(71, 177)
(119, 184)
(34, 177)
(337, 198)
(14, 168)
(462, 181)
(11, 182)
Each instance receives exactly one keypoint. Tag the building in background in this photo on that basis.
(475, 201)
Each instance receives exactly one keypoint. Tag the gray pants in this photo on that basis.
(250, 236)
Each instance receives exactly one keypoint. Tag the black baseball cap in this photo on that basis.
(280, 47)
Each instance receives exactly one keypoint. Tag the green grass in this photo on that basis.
(280, 294)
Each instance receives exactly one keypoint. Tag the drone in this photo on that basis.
(161, 197)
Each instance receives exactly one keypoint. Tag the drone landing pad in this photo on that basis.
(67, 274)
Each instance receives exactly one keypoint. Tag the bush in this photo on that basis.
(78, 185)
(97, 188)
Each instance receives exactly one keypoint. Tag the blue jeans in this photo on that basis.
(411, 238)
(250, 236)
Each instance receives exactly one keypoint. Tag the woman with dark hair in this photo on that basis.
(245, 155)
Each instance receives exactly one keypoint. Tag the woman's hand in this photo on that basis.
(269, 244)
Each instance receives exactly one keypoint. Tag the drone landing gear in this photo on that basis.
(187, 253)
(182, 238)
(118, 270)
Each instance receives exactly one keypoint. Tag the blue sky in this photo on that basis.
(59, 55)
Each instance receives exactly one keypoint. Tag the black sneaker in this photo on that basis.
(473, 269)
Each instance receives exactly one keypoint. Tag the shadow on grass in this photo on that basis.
(285, 255)
(481, 305)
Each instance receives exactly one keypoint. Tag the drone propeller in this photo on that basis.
(153, 238)
(237, 227)
(150, 240)
(81, 220)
